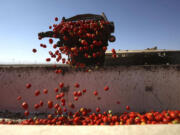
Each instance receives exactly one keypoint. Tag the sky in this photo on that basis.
(139, 24)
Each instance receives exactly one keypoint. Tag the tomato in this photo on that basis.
(25, 105)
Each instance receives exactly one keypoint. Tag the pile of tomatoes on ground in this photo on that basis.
(85, 117)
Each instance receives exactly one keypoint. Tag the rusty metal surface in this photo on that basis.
(143, 88)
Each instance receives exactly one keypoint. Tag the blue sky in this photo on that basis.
(139, 24)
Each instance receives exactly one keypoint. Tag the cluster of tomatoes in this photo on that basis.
(85, 117)
(83, 41)
(61, 106)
